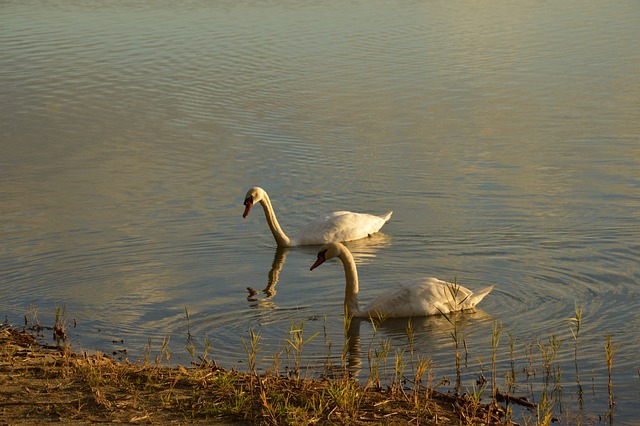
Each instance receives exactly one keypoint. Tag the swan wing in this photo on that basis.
(402, 301)
(427, 296)
(341, 226)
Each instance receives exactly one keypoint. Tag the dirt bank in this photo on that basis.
(44, 384)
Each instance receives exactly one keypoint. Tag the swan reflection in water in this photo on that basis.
(273, 277)
(424, 335)
(365, 249)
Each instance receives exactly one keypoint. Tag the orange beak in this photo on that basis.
(319, 261)
(247, 207)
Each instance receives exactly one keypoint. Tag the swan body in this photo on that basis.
(336, 226)
(426, 296)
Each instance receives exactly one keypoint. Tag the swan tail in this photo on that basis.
(478, 295)
(387, 216)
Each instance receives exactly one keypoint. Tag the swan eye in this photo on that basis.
(248, 200)
(322, 254)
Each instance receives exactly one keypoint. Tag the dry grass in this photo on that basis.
(44, 384)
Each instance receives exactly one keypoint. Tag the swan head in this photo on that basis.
(254, 195)
(327, 252)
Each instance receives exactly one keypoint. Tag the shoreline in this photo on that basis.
(45, 384)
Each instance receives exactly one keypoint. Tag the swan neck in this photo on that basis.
(281, 238)
(351, 305)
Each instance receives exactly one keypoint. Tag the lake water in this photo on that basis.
(505, 136)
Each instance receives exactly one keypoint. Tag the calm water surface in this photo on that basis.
(505, 137)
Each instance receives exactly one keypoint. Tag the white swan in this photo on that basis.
(336, 226)
(427, 296)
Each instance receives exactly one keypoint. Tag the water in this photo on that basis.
(505, 137)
